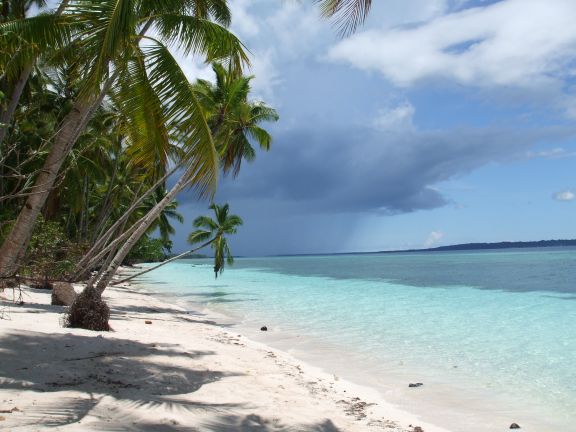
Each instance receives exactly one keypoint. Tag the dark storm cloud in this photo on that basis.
(366, 170)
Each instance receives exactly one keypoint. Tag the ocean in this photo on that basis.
(490, 334)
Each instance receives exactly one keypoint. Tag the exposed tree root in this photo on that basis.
(89, 312)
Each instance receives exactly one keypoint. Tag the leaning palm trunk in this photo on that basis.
(19, 236)
(109, 251)
(72, 126)
(106, 209)
(94, 278)
(110, 247)
(100, 247)
(108, 273)
(182, 255)
(89, 311)
(6, 117)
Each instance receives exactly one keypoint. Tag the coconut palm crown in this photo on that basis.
(234, 120)
(217, 229)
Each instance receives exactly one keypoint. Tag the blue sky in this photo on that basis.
(438, 122)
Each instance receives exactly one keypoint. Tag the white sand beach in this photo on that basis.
(164, 368)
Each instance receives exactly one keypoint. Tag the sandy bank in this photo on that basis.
(183, 372)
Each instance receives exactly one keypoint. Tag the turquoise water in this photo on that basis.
(493, 332)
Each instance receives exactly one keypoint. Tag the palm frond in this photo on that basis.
(205, 222)
(149, 137)
(21, 41)
(199, 237)
(110, 27)
(261, 136)
(194, 35)
(216, 10)
(347, 14)
(186, 117)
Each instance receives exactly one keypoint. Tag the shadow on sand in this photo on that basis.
(102, 366)
(81, 379)
(223, 423)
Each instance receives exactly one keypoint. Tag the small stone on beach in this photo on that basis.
(147, 322)
(63, 294)
(514, 426)
(264, 328)
(415, 385)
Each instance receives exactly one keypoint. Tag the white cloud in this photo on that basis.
(564, 196)
(399, 12)
(517, 43)
(266, 76)
(398, 117)
(433, 238)
(194, 69)
(243, 23)
(298, 29)
(555, 153)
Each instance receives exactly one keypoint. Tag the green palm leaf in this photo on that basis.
(194, 35)
(185, 116)
(347, 14)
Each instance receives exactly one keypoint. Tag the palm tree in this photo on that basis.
(213, 232)
(233, 119)
(117, 54)
(234, 123)
(217, 229)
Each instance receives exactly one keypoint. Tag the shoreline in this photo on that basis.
(187, 370)
(457, 404)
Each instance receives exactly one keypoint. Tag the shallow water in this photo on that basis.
(491, 334)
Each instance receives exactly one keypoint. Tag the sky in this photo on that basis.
(438, 122)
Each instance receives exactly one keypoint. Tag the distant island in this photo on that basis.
(498, 245)
(458, 247)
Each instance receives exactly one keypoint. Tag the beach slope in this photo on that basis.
(164, 368)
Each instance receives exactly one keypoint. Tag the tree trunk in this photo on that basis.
(19, 236)
(83, 211)
(6, 117)
(113, 245)
(191, 251)
(106, 275)
(112, 252)
(98, 249)
(102, 216)
(72, 126)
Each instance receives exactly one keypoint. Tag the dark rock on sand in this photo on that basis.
(514, 426)
(415, 385)
(264, 328)
(63, 294)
